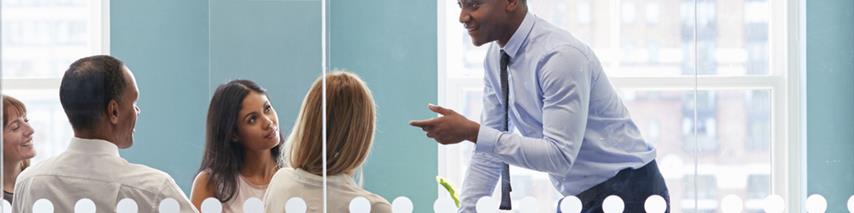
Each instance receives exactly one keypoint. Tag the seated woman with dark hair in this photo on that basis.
(17, 143)
(350, 133)
(242, 147)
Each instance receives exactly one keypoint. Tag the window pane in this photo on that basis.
(742, 164)
(733, 37)
(732, 44)
(42, 46)
(732, 145)
(631, 39)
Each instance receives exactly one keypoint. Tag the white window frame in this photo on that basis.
(786, 82)
(102, 34)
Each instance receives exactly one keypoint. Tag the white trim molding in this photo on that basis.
(795, 104)
(104, 47)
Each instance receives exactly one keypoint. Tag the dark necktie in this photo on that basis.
(505, 170)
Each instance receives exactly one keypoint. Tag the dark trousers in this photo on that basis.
(634, 186)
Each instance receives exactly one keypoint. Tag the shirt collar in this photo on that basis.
(519, 37)
(93, 146)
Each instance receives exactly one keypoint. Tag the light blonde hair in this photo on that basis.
(350, 113)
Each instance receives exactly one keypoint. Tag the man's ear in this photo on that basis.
(512, 5)
(113, 112)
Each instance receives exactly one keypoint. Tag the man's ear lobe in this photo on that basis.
(113, 111)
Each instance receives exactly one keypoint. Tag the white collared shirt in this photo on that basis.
(93, 169)
(288, 183)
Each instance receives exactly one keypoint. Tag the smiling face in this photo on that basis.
(485, 20)
(258, 123)
(17, 137)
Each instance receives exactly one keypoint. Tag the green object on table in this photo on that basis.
(450, 189)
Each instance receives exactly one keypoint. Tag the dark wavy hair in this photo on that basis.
(223, 157)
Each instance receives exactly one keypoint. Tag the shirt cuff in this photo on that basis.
(487, 137)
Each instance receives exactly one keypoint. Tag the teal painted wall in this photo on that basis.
(274, 43)
(391, 44)
(181, 50)
(830, 101)
(165, 43)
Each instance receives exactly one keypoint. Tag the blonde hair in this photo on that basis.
(350, 126)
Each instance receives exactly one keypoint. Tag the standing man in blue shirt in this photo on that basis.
(569, 122)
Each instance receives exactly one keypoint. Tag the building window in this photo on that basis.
(701, 191)
(759, 120)
(705, 125)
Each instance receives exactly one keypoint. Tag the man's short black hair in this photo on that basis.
(88, 86)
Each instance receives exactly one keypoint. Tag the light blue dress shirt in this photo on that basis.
(569, 120)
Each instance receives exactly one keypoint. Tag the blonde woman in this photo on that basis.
(350, 133)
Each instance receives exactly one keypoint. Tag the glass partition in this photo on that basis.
(278, 45)
(391, 47)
